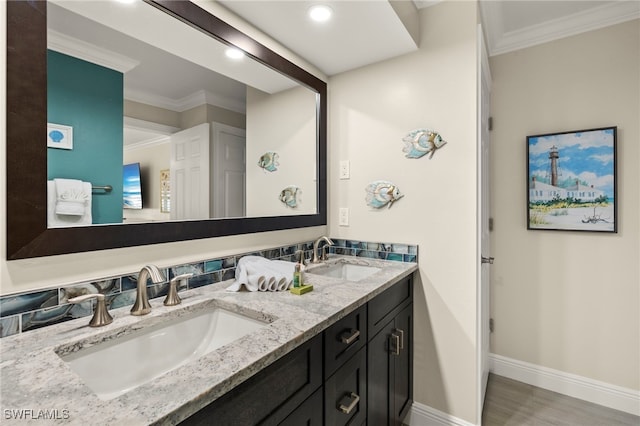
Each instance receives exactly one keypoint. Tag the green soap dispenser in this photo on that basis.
(299, 287)
(297, 275)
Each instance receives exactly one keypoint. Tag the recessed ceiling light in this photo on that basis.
(320, 12)
(234, 53)
(126, 1)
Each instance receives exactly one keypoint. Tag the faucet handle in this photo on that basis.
(101, 315)
(323, 255)
(299, 255)
(172, 294)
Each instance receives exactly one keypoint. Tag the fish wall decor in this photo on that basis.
(422, 141)
(290, 196)
(269, 161)
(382, 193)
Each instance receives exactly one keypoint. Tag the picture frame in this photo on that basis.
(165, 191)
(59, 136)
(571, 181)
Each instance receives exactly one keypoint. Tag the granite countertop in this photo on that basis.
(36, 380)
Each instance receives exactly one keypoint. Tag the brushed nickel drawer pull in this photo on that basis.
(348, 339)
(346, 409)
(401, 337)
(396, 349)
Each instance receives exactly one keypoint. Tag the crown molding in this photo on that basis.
(589, 20)
(97, 55)
(89, 52)
(164, 132)
(196, 99)
(160, 140)
(136, 123)
(421, 4)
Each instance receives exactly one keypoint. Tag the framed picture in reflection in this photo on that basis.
(59, 136)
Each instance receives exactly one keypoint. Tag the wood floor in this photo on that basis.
(512, 403)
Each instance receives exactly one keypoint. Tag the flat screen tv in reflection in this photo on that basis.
(132, 189)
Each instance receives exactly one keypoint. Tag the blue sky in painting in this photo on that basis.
(587, 156)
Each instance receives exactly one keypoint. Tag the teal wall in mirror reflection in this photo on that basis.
(88, 98)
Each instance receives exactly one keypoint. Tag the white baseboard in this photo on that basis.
(595, 391)
(423, 415)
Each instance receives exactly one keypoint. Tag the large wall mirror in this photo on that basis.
(146, 92)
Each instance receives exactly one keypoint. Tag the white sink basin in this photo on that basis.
(113, 368)
(345, 271)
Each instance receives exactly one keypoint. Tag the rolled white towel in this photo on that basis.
(256, 281)
(284, 284)
(283, 272)
(267, 283)
(242, 276)
(256, 273)
(241, 279)
(279, 282)
(273, 283)
(255, 276)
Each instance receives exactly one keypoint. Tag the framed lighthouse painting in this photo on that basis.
(571, 181)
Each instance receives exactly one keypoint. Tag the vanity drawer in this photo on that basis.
(346, 392)
(387, 304)
(343, 339)
(272, 394)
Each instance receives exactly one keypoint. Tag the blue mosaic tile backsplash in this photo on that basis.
(28, 311)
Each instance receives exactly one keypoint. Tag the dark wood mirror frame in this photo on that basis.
(27, 232)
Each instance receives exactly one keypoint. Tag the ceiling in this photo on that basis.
(361, 32)
(367, 31)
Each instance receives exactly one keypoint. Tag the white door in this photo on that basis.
(484, 212)
(189, 175)
(229, 171)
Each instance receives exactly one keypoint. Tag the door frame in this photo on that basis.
(482, 289)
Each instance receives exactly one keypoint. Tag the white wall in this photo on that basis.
(284, 123)
(563, 300)
(29, 274)
(152, 159)
(370, 110)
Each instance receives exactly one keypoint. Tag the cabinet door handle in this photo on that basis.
(347, 339)
(396, 348)
(346, 409)
(401, 337)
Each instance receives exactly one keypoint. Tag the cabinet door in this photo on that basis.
(380, 376)
(309, 413)
(402, 365)
(390, 371)
(272, 394)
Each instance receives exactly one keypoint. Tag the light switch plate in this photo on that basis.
(345, 173)
(343, 220)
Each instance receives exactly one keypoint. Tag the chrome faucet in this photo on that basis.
(142, 305)
(315, 249)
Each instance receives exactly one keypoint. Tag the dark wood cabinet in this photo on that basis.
(357, 372)
(272, 394)
(346, 392)
(403, 366)
(307, 414)
(343, 339)
(390, 361)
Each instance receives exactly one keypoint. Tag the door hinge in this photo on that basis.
(490, 123)
(490, 224)
(491, 325)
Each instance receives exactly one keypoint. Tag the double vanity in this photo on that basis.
(339, 354)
